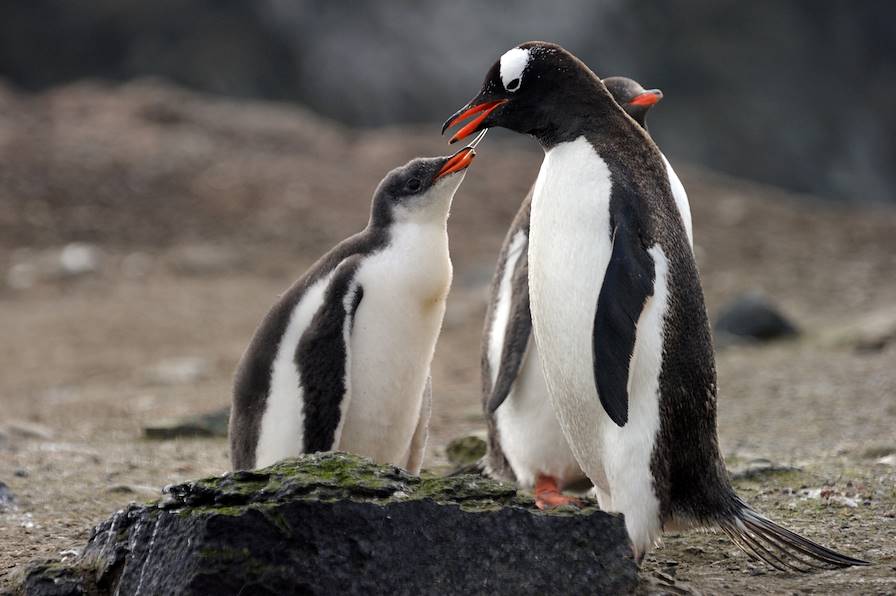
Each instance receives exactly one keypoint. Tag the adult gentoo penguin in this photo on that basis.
(342, 361)
(618, 312)
(525, 442)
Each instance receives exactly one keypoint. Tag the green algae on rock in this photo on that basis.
(337, 523)
(465, 451)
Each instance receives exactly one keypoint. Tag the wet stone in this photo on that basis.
(210, 424)
(752, 318)
(336, 524)
(759, 469)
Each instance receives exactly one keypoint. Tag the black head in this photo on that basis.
(536, 88)
(634, 99)
(421, 190)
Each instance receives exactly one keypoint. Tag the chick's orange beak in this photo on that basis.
(457, 162)
(483, 109)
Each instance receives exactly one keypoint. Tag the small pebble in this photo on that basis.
(179, 371)
(78, 258)
(888, 460)
(7, 499)
(29, 430)
(844, 501)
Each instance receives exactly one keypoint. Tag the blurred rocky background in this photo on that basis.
(155, 201)
(797, 94)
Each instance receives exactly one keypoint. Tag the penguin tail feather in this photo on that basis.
(477, 468)
(785, 550)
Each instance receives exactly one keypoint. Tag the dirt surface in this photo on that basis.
(197, 212)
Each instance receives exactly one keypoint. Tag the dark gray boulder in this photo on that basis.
(752, 318)
(209, 424)
(338, 524)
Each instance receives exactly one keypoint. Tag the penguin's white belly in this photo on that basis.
(570, 247)
(392, 343)
(531, 437)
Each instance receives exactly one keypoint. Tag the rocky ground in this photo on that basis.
(308, 525)
(144, 231)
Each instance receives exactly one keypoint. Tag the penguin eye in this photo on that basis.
(514, 84)
(413, 185)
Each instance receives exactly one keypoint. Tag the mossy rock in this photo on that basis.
(465, 451)
(338, 524)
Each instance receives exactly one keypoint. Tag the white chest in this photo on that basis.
(569, 248)
(501, 308)
(393, 339)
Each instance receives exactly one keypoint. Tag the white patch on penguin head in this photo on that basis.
(513, 63)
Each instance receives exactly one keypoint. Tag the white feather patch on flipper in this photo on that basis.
(348, 303)
(502, 306)
(282, 424)
(681, 199)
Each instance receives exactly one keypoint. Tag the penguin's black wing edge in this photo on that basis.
(628, 282)
(516, 335)
(322, 356)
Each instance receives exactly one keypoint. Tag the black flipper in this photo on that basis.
(322, 356)
(516, 335)
(627, 284)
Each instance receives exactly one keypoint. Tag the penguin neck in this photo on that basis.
(589, 111)
(641, 119)
(421, 260)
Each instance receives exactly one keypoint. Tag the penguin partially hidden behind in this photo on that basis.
(618, 313)
(342, 361)
(525, 442)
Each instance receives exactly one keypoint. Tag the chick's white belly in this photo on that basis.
(392, 344)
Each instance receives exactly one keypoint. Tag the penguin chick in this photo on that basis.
(342, 360)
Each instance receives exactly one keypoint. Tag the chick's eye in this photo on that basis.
(514, 84)
(413, 185)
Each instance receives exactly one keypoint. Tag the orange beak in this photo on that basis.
(647, 99)
(472, 126)
(457, 162)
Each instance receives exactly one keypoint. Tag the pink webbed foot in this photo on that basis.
(548, 495)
